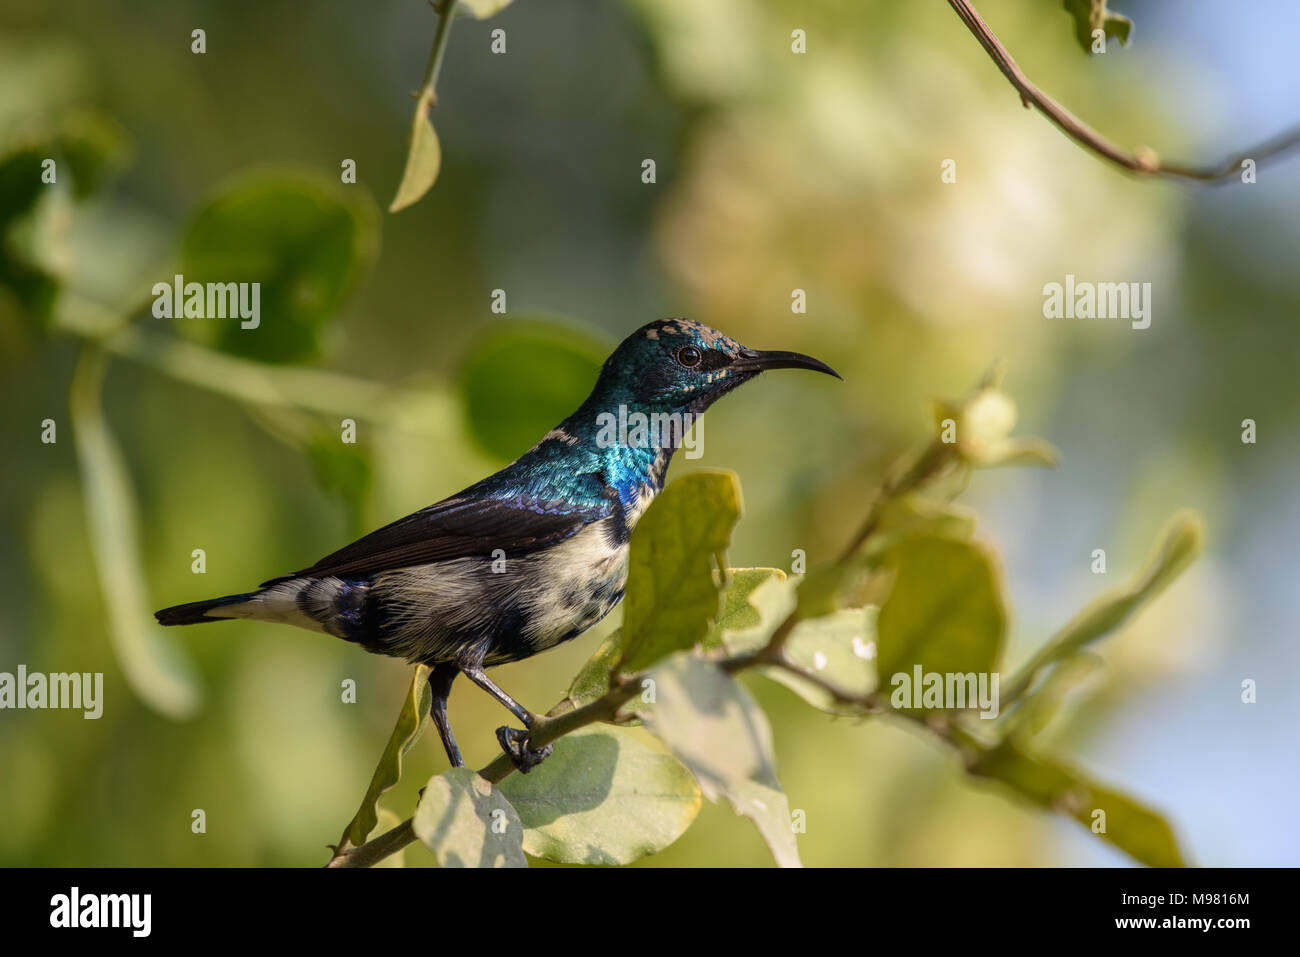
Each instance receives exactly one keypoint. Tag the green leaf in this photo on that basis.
(410, 722)
(307, 241)
(1031, 452)
(342, 468)
(1036, 710)
(34, 215)
(26, 277)
(839, 647)
(467, 822)
(20, 180)
(157, 671)
(753, 604)
(828, 588)
(603, 797)
(423, 159)
(1090, 15)
(713, 725)
(93, 147)
(944, 611)
(1135, 829)
(1179, 543)
(592, 680)
(389, 819)
(523, 378)
(825, 589)
(87, 148)
(673, 591)
(916, 516)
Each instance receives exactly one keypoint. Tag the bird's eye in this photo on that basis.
(689, 356)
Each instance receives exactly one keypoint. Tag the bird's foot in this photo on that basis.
(522, 754)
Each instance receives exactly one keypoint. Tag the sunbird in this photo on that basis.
(529, 557)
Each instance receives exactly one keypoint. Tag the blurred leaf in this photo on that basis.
(87, 147)
(1179, 543)
(916, 516)
(839, 648)
(1137, 830)
(603, 797)
(20, 180)
(753, 604)
(157, 671)
(481, 9)
(1036, 710)
(1090, 15)
(410, 723)
(716, 728)
(673, 590)
(826, 588)
(94, 148)
(342, 468)
(423, 159)
(831, 587)
(467, 822)
(34, 220)
(1030, 452)
(307, 240)
(944, 611)
(524, 378)
(31, 287)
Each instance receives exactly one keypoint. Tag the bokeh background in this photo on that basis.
(774, 172)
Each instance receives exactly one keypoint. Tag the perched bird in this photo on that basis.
(529, 557)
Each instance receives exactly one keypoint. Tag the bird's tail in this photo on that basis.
(196, 612)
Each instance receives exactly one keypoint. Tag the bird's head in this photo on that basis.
(679, 365)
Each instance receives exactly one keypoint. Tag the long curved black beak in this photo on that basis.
(753, 360)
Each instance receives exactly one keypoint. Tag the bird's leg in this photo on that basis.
(440, 684)
(476, 674)
(513, 741)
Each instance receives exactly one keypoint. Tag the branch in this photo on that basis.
(445, 10)
(316, 390)
(1144, 162)
(244, 380)
(928, 465)
(604, 709)
(546, 730)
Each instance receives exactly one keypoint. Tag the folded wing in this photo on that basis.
(458, 527)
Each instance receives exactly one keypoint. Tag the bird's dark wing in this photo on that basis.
(459, 527)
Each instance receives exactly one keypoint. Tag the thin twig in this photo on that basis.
(445, 10)
(936, 457)
(1145, 161)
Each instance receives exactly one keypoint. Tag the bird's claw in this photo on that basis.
(523, 755)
